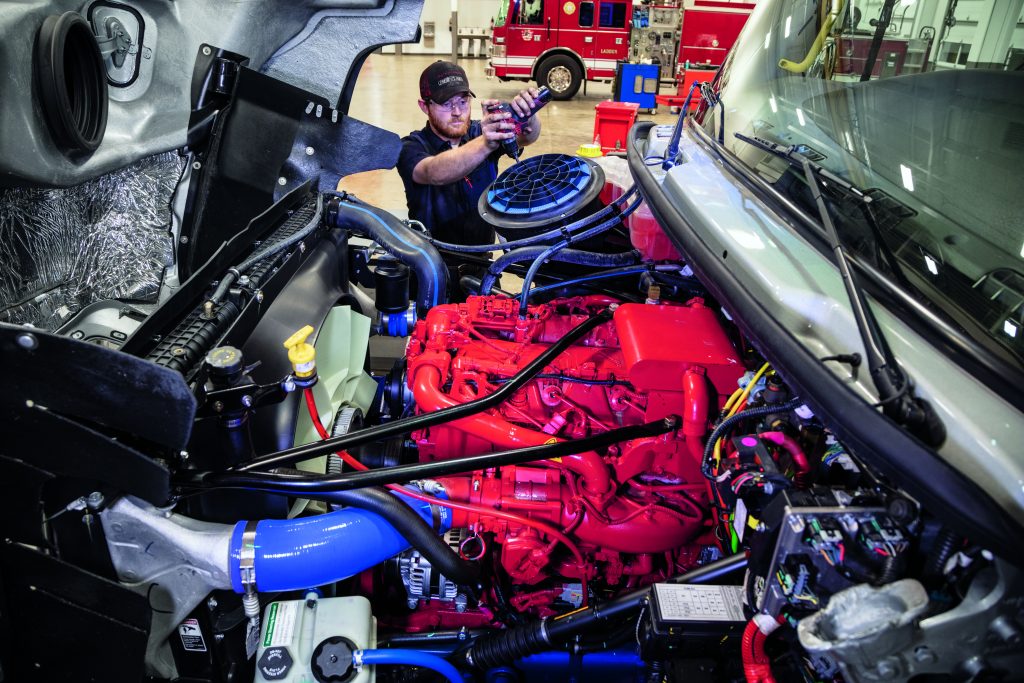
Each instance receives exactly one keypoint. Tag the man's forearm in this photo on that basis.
(451, 165)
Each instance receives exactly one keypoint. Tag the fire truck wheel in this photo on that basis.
(562, 75)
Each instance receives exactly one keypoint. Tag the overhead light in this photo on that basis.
(789, 22)
(775, 110)
(1009, 328)
(767, 39)
(800, 116)
(933, 267)
(908, 178)
(906, 3)
(849, 140)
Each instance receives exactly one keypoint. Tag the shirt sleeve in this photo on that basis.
(412, 153)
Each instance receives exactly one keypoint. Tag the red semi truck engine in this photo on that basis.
(628, 516)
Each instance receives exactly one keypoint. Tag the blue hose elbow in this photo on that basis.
(303, 553)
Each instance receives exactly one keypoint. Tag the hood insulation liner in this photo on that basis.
(109, 238)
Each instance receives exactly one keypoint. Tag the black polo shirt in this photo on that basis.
(449, 211)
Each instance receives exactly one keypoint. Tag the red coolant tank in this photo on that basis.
(660, 343)
(645, 234)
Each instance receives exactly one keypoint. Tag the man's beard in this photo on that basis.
(450, 128)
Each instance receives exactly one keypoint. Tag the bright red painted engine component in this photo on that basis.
(640, 510)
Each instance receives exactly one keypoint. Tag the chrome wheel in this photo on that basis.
(559, 79)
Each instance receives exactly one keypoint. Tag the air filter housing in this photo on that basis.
(540, 193)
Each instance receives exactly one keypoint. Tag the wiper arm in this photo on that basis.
(892, 384)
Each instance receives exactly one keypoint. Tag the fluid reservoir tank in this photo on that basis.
(302, 641)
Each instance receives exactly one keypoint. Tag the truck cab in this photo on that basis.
(560, 43)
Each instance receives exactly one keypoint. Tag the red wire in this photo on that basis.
(465, 507)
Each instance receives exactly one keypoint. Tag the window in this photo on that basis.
(586, 14)
(531, 13)
(613, 15)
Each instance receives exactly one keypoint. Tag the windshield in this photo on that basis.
(502, 15)
(919, 104)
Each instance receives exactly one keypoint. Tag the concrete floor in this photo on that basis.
(386, 94)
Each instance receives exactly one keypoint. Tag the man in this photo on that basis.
(448, 164)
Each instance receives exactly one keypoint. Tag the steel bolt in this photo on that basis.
(413, 603)
(282, 181)
(211, 603)
(1007, 631)
(309, 151)
(288, 384)
(218, 406)
(28, 341)
(247, 401)
(94, 500)
(461, 602)
(177, 351)
(887, 668)
(207, 51)
(259, 296)
(924, 655)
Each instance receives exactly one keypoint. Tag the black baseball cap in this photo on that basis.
(441, 81)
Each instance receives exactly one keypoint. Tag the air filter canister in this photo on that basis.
(540, 193)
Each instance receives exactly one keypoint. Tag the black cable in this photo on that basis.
(504, 647)
(291, 456)
(412, 528)
(727, 424)
(302, 484)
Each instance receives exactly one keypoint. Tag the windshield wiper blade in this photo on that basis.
(894, 389)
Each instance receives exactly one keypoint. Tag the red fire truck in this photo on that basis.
(561, 43)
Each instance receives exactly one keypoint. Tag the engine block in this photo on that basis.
(638, 511)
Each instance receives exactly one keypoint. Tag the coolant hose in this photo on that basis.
(756, 665)
(411, 526)
(407, 245)
(296, 554)
(796, 454)
(558, 246)
(577, 256)
(408, 658)
(542, 237)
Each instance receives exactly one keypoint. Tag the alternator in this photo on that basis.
(423, 582)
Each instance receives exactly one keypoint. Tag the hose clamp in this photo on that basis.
(247, 557)
(544, 632)
(357, 660)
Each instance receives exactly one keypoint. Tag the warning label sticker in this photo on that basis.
(679, 602)
(191, 635)
(281, 618)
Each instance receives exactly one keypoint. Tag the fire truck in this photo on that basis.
(562, 43)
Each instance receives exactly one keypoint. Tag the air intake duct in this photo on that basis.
(540, 193)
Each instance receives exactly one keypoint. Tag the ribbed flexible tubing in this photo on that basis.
(536, 239)
(577, 256)
(268, 250)
(410, 658)
(727, 424)
(407, 245)
(296, 554)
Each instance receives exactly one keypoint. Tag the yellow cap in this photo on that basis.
(301, 354)
(590, 149)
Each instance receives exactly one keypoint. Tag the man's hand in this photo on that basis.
(523, 104)
(495, 126)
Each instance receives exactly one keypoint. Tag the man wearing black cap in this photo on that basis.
(447, 165)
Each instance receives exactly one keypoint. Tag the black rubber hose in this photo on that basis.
(946, 542)
(412, 527)
(396, 427)
(409, 246)
(303, 484)
(728, 423)
(504, 647)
